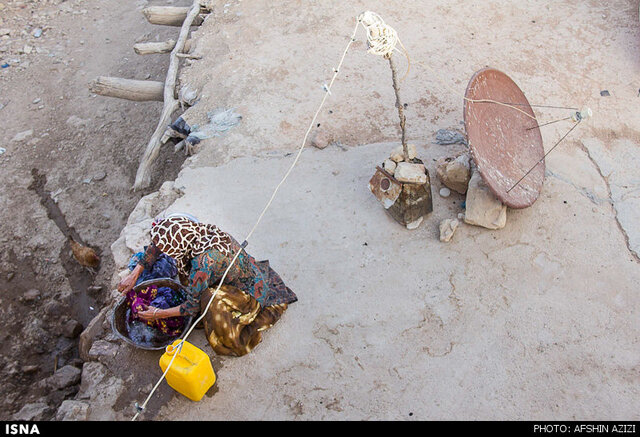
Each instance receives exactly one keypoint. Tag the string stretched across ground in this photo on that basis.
(382, 40)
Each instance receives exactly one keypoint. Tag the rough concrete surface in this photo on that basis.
(538, 320)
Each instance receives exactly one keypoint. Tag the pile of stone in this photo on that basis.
(482, 207)
(403, 171)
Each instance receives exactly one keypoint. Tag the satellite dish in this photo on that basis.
(505, 142)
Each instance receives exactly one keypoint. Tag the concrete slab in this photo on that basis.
(535, 321)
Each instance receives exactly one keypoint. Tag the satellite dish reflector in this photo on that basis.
(505, 143)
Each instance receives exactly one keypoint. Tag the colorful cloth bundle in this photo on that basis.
(157, 297)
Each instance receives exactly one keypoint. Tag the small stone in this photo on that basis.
(76, 122)
(482, 208)
(397, 155)
(21, 136)
(5, 31)
(321, 139)
(37, 32)
(410, 173)
(100, 176)
(92, 289)
(31, 295)
(389, 166)
(445, 192)
(35, 101)
(53, 308)
(30, 369)
(413, 225)
(447, 228)
(10, 276)
(72, 329)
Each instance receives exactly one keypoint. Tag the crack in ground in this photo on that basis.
(79, 278)
(611, 202)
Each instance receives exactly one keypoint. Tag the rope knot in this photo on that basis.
(381, 38)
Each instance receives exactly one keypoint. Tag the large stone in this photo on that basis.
(410, 173)
(101, 390)
(72, 410)
(34, 411)
(482, 206)
(66, 376)
(102, 349)
(454, 173)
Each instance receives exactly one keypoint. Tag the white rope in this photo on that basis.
(327, 89)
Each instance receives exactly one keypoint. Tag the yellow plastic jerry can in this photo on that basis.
(191, 373)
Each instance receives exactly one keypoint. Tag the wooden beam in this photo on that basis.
(129, 89)
(169, 15)
(148, 48)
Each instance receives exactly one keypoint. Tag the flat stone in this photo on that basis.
(21, 136)
(447, 229)
(445, 192)
(102, 349)
(66, 376)
(482, 207)
(34, 411)
(72, 410)
(410, 173)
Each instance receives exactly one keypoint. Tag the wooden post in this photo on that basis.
(136, 90)
(171, 104)
(399, 105)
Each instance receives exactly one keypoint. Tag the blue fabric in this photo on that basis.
(164, 267)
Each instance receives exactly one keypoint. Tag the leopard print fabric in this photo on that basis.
(183, 239)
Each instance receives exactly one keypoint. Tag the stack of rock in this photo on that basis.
(482, 207)
(410, 198)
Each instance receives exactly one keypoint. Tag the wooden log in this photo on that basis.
(149, 48)
(171, 104)
(136, 90)
(169, 15)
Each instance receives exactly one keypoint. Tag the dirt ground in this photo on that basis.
(69, 163)
(520, 323)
